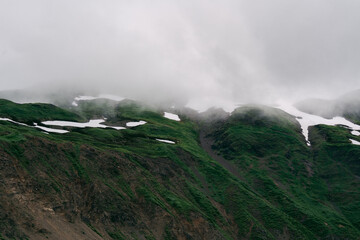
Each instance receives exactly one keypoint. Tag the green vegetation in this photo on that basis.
(117, 236)
(274, 161)
(34, 112)
(131, 186)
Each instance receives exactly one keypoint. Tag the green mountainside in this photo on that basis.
(248, 175)
(34, 112)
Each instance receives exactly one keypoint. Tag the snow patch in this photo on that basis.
(306, 120)
(354, 142)
(35, 126)
(106, 96)
(9, 120)
(52, 130)
(84, 98)
(95, 123)
(135, 124)
(355, 133)
(172, 116)
(165, 141)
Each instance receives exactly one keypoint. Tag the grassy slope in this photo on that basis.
(137, 187)
(34, 112)
(141, 185)
(339, 168)
(271, 155)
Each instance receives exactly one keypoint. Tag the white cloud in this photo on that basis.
(231, 50)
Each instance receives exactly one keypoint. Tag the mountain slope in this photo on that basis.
(34, 112)
(245, 176)
(273, 159)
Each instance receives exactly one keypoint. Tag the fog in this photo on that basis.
(205, 52)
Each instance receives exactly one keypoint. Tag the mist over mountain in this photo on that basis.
(347, 105)
(176, 119)
(229, 51)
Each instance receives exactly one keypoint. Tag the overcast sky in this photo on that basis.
(220, 50)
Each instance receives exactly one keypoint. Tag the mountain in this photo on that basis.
(245, 175)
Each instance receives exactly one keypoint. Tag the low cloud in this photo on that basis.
(229, 51)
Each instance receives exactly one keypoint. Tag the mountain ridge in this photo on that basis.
(248, 175)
